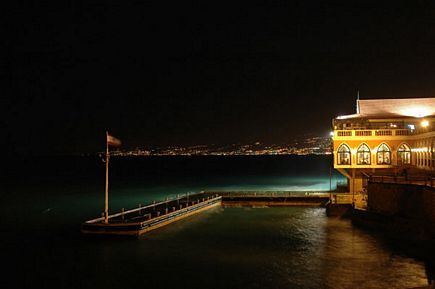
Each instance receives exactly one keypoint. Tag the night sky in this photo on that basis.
(202, 72)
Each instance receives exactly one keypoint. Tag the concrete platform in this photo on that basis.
(140, 220)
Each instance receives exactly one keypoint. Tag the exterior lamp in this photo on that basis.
(424, 123)
(331, 134)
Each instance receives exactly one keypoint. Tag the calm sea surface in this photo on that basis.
(44, 200)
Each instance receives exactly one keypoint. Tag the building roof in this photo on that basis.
(392, 108)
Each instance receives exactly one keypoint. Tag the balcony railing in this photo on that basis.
(363, 133)
(373, 132)
(344, 133)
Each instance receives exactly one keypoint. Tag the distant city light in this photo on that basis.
(424, 123)
(305, 146)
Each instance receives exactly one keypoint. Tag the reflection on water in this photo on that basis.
(292, 247)
(278, 248)
(355, 257)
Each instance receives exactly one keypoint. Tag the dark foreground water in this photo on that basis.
(43, 202)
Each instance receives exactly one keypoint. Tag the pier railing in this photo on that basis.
(282, 194)
(140, 208)
(175, 203)
(188, 199)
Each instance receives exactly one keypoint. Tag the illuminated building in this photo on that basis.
(385, 136)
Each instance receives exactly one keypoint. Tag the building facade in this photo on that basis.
(385, 137)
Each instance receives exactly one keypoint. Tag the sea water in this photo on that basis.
(44, 200)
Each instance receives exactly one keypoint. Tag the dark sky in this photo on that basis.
(202, 71)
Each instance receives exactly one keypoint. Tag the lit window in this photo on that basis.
(363, 155)
(403, 155)
(343, 155)
(384, 155)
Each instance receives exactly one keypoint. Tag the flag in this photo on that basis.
(113, 141)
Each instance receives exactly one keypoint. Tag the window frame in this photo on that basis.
(383, 153)
(341, 155)
(406, 150)
(364, 153)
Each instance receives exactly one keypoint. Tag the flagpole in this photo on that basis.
(330, 184)
(106, 203)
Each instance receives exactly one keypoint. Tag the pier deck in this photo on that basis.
(273, 198)
(142, 219)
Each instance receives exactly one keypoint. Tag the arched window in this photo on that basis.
(384, 155)
(363, 155)
(404, 155)
(343, 155)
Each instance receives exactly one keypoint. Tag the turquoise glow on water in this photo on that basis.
(141, 193)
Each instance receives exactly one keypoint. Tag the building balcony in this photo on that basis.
(372, 133)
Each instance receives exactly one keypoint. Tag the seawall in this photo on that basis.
(403, 211)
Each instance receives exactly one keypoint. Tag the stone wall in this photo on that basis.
(429, 206)
(413, 202)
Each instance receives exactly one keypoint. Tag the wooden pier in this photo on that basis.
(142, 219)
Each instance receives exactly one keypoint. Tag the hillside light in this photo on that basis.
(424, 123)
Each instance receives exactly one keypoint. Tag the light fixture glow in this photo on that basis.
(424, 123)
(420, 150)
(416, 111)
